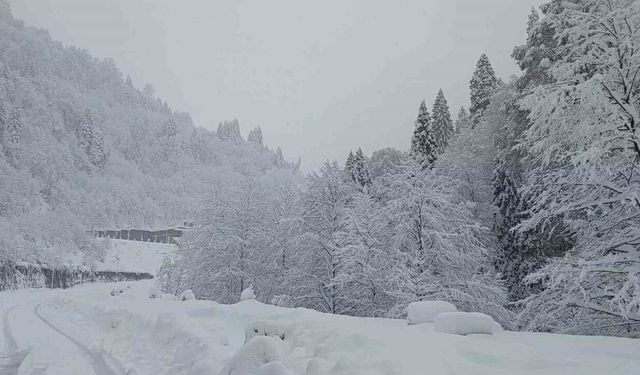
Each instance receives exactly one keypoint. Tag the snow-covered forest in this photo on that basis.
(82, 148)
(524, 206)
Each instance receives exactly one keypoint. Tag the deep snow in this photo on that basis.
(131, 332)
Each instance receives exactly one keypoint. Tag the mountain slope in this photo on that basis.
(81, 147)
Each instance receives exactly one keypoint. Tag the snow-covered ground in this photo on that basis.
(84, 330)
(134, 256)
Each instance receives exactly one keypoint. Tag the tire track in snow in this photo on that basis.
(96, 359)
(11, 360)
(6, 330)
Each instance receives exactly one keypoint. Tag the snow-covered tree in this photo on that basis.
(170, 128)
(424, 147)
(357, 168)
(441, 121)
(439, 254)
(482, 85)
(367, 257)
(255, 136)
(230, 131)
(325, 206)
(583, 146)
(385, 161)
(463, 121)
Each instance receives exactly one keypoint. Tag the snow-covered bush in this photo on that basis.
(187, 295)
(426, 311)
(247, 294)
(266, 328)
(257, 352)
(465, 323)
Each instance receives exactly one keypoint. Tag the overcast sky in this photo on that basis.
(319, 77)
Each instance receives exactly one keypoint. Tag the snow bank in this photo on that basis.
(155, 292)
(266, 328)
(187, 295)
(464, 323)
(247, 294)
(272, 368)
(258, 351)
(426, 311)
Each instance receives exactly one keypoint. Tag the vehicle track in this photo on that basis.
(98, 360)
(10, 360)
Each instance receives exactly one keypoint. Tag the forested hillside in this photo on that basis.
(526, 207)
(82, 147)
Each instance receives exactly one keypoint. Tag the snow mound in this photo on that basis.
(247, 294)
(257, 352)
(272, 368)
(464, 323)
(187, 295)
(266, 328)
(426, 311)
(154, 293)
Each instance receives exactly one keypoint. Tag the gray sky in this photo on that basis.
(319, 77)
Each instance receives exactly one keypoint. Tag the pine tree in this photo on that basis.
(482, 85)
(462, 122)
(129, 82)
(423, 143)
(85, 130)
(442, 123)
(360, 172)
(96, 150)
(92, 141)
(13, 127)
(349, 165)
(170, 128)
(255, 136)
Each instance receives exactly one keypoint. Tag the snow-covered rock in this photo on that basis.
(257, 352)
(465, 323)
(155, 292)
(426, 311)
(272, 368)
(247, 294)
(266, 328)
(187, 295)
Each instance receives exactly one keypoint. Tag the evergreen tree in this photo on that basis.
(442, 123)
(96, 149)
(92, 141)
(462, 122)
(360, 171)
(482, 85)
(129, 82)
(255, 136)
(170, 128)
(13, 127)
(423, 143)
(356, 168)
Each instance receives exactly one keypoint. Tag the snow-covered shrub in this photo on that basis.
(247, 294)
(465, 323)
(426, 311)
(266, 328)
(187, 295)
(155, 292)
(257, 352)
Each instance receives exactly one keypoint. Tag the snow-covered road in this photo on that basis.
(85, 330)
(34, 344)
